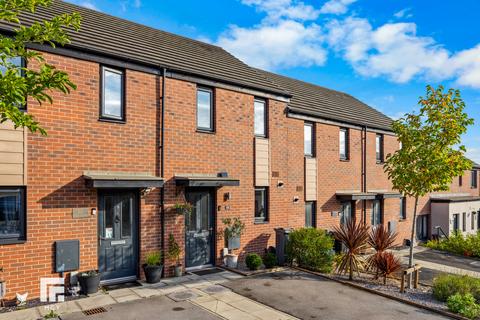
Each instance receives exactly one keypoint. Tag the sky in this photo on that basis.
(382, 52)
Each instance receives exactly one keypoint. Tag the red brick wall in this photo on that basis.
(77, 141)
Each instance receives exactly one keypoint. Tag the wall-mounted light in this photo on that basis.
(280, 184)
(296, 199)
(94, 211)
(227, 196)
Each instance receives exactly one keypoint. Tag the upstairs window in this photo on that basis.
(261, 205)
(308, 139)
(113, 94)
(205, 109)
(344, 144)
(460, 181)
(12, 215)
(474, 179)
(260, 118)
(379, 148)
(19, 63)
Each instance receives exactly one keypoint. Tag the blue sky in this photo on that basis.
(382, 52)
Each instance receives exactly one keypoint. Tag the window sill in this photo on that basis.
(309, 156)
(344, 160)
(205, 131)
(380, 162)
(12, 241)
(111, 120)
(261, 222)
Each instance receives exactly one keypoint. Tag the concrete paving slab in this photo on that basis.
(214, 289)
(60, 308)
(196, 283)
(270, 314)
(154, 308)
(146, 292)
(131, 297)
(236, 314)
(27, 314)
(228, 297)
(95, 302)
(120, 292)
(247, 305)
(170, 289)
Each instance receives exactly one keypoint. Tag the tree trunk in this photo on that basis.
(350, 277)
(412, 240)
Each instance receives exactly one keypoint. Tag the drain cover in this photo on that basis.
(183, 295)
(214, 289)
(91, 312)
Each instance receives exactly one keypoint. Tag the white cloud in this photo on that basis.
(404, 13)
(281, 45)
(137, 3)
(395, 51)
(88, 4)
(289, 9)
(473, 154)
(336, 6)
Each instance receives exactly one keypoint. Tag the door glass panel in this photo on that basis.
(108, 218)
(192, 217)
(204, 213)
(126, 218)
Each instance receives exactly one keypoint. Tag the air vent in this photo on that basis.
(94, 311)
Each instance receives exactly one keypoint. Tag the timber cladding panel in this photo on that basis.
(12, 155)
(310, 179)
(262, 162)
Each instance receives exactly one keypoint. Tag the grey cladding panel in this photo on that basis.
(67, 255)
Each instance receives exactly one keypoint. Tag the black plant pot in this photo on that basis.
(89, 284)
(153, 274)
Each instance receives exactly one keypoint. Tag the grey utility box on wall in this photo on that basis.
(67, 255)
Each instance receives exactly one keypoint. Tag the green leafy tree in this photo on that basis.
(17, 82)
(431, 154)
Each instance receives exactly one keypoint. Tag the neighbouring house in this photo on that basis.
(160, 120)
(459, 210)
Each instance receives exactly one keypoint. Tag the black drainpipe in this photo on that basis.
(162, 165)
(364, 171)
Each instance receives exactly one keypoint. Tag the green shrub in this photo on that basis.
(447, 285)
(311, 249)
(270, 260)
(153, 258)
(464, 305)
(458, 244)
(253, 261)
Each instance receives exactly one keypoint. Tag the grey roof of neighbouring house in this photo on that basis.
(317, 101)
(130, 41)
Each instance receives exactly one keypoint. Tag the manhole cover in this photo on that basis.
(91, 312)
(214, 289)
(182, 296)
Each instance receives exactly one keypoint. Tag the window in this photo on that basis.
(310, 216)
(344, 144)
(308, 139)
(474, 179)
(403, 208)
(478, 219)
(472, 225)
(346, 212)
(456, 222)
(260, 118)
(261, 205)
(379, 148)
(460, 181)
(205, 109)
(20, 63)
(376, 213)
(464, 221)
(12, 215)
(113, 94)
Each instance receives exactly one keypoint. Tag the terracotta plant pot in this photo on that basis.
(153, 274)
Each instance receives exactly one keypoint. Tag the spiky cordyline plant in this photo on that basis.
(381, 239)
(354, 238)
(386, 263)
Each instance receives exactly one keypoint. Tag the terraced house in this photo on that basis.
(159, 120)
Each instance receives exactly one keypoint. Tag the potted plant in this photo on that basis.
(89, 281)
(174, 254)
(183, 208)
(153, 267)
(234, 228)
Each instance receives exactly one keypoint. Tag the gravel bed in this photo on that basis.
(422, 295)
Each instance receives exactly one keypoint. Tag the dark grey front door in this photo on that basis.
(199, 229)
(118, 235)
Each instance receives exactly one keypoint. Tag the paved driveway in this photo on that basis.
(151, 308)
(307, 296)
